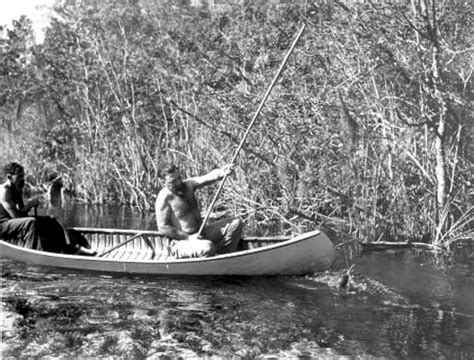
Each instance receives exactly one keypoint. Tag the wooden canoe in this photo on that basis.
(148, 254)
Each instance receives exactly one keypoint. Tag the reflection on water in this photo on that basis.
(117, 217)
(63, 314)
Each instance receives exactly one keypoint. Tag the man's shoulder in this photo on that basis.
(191, 182)
(4, 190)
(163, 194)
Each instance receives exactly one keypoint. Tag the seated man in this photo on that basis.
(178, 217)
(38, 232)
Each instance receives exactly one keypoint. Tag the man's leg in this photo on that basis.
(225, 234)
(184, 249)
(23, 230)
(51, 234)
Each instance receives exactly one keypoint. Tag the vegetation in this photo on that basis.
(368, 130)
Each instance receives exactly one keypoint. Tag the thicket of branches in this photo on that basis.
(369, 127)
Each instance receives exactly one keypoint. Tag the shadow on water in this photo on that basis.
(52, 312)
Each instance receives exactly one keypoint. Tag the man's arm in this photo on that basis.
(163, 219)
(15, 210)
(213, 176)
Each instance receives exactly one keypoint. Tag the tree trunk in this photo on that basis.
(440, 168)
(440, 129)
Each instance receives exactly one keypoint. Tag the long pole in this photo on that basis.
(247, 132)
(121, 244)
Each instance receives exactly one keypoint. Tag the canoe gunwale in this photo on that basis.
(157, 233)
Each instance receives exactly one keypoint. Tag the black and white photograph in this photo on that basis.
(237, 179)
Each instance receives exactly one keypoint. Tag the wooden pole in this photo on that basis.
(247, 132)
(120, 245)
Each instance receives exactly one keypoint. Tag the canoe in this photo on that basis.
(147, 253)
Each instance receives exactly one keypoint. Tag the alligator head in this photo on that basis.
(345, 281)
(350, 281)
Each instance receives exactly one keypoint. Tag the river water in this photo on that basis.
(48, 312)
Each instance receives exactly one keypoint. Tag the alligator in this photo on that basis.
(349, 281)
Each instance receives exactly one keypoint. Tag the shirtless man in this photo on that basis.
(14, 219)
(178, 217)
(34, 232)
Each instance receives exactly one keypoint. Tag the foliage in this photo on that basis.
(369, 126)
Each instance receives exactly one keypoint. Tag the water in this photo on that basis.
(80, 315)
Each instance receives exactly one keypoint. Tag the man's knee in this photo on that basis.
(29, 225)
(238, 223)
(236, 226)
(30, 222)
(29, 232)
(207, 248)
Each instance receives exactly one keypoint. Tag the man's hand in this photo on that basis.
(35, 201)
(215, 175)
(195, 237)
(227, 170)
